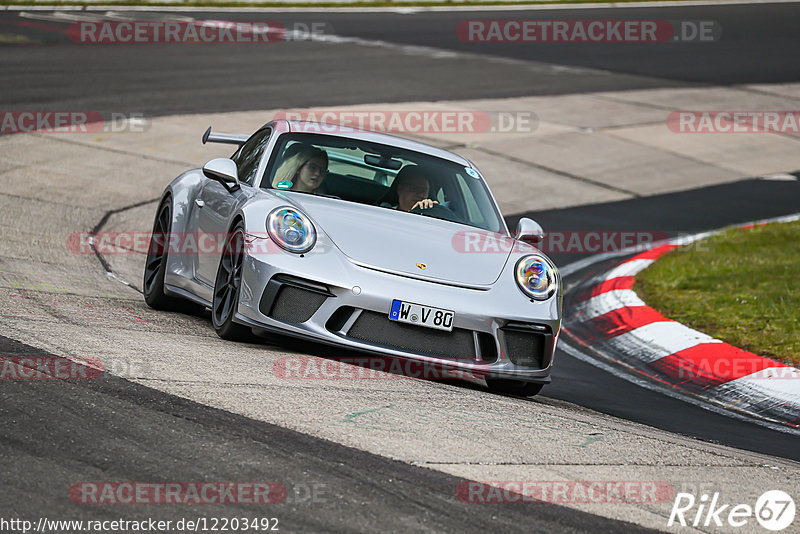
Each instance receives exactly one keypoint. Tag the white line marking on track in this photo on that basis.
(654, 341)
(607, 302)
(780, 177)
(628, 268)
(780, 382)
(620, 371)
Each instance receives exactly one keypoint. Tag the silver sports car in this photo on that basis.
(362, 240)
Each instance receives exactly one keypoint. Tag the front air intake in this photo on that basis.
(292, 300)
(526, 345)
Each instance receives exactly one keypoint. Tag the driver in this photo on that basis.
(409, 190)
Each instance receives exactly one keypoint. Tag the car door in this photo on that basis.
(216, 204)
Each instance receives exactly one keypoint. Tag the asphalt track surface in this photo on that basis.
(51, 433)
(157, 79)
(56, 432)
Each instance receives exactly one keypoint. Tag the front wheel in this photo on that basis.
(155, 267)
(514, 387)
(226, 288)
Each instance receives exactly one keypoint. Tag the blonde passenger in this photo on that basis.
(305, 168)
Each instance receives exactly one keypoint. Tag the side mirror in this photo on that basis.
(223, 170)
(529, 231)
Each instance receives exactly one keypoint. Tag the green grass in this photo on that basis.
(741, 286)
(16, 38)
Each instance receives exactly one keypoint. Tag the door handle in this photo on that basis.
(199, 203)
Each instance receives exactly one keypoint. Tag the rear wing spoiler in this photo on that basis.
(231, 139)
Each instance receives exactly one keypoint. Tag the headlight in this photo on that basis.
(536, 277)
(291, 230)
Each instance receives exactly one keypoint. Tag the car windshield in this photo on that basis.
(365, 172)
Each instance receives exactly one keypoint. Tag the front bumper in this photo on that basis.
(324, 297)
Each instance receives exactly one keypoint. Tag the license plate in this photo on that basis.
(408, 312)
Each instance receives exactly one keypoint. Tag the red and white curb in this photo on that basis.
(612, 320)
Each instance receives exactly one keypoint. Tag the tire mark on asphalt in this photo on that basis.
(99, 226)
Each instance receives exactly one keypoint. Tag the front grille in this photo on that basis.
(525, 347)
(377, 329)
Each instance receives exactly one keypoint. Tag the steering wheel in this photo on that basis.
(439, 212)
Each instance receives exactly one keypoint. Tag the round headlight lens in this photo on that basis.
(291, 230)
(537, 277)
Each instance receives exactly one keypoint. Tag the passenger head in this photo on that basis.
(305, 167)
(409, 187)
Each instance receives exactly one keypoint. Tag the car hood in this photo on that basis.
(407, 243)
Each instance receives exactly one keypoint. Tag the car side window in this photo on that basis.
(249, 155)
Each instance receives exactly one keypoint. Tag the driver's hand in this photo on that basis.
(425, 204)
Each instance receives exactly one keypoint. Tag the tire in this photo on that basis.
(156, 266)
(514, 387)
(227, 284)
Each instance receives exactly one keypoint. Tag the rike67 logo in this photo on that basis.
(774, 510)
